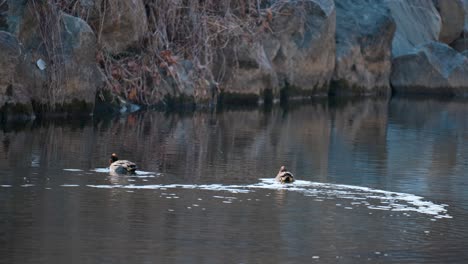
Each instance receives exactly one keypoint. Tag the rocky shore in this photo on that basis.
(74, 57)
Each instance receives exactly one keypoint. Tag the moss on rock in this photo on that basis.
(342, 87)
(179, 102)
(290, 92)
(74, 107)
(13, 111)
(238, 99)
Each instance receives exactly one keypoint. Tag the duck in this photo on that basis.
(284, 176)
(121, 166)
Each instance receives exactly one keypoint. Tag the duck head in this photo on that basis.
(113, 158)
(282, 169)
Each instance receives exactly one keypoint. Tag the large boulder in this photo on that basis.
(119, 24)
(11, 14)
(4, 16)
(248, 73)
(363, 47)
(465, 8)
(461, 44)
(453, 19)
(82, 76)
(66, 76)
(10, 53)
(434, 68)
(418, 22)
(295, 51)
(13, 99)
(300, 44)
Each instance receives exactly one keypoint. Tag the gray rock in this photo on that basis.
(301, 45)
(247, 70)
(363, 47)
(465, 8)
(460, 44)
(10, 53)
(453, 19)
(119, 24)
(12, 96)
(11, 15)
(4, 16)
(87, 3)
(434, 68)
(180, 80)
(297, 52)
(418, 22)
(72, 76)
(81, 74)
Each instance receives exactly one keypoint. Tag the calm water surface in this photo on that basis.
(378, 182)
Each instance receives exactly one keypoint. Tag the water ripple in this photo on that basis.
(373, 199)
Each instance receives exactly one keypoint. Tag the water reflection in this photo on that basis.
(359, 142)
(405, 145)
(201, 146)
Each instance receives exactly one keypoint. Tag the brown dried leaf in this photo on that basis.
(167, 56)
(133, 94)
(116, 73)
(269, 15)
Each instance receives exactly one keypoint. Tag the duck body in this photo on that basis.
(121, 166)
(284, 176)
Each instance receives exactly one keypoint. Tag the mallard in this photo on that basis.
(284, 176)
(121, 166)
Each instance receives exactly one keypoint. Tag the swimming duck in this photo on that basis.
(284, 176)
(121, 166)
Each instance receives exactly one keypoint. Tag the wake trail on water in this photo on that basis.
(373, 199)
(137, 173)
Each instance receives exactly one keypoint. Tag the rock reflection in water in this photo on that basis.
(405, 145)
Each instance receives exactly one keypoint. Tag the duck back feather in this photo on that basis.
(284, 176)
(121, 166)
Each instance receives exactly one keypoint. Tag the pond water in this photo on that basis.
(377, 182)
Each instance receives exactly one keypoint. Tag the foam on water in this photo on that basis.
(73, 170)
(138, 173)
(373, 199)
(102, 170)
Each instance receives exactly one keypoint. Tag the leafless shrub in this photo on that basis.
(48, 16)
(194, 30)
